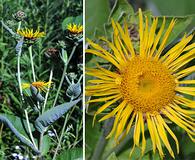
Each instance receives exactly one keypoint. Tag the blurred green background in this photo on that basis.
(97, 11)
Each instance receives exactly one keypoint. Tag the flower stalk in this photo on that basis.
(29, 129)
(32, 63)
(64, 73)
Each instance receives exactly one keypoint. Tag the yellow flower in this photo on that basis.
(74, 28)
(40, 85)
(146, 86)
(30, 34)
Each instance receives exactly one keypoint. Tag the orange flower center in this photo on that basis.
(147, 85)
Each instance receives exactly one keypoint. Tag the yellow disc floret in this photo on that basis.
(147, 84)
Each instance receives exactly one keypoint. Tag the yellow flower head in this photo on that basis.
(40, 85)
(30, 34)
(74, 28)
(147, 85)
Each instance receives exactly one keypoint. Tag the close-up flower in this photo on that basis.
(30, 34)
(145, 87)
(40, 85)
(75, 28)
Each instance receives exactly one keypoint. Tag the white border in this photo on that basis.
(83, 79)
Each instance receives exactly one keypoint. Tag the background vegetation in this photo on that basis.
(51, 16)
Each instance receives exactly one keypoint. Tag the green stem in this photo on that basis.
(18, 74)
(32, 63)
(43, 109)
(56, 151)
(18, 67)
(46, 16)
(29, 129)
(40, 142)
(121, 145)
(62, 133)
(63, 74)
(19, 25)
(60, 86)
(100, 146)
(46, 96)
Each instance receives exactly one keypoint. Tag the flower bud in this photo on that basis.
(19, 16)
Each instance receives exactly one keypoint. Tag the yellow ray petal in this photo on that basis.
(143, 135)
(111, 114)
(103, 99)
(176, 51)
(115, 123)
(136, 136)
(185, 72)
(123, 120)
(104, 93)
(186, 82)
(118, 55)
(163, 136)
(186, 90)
(126, 38)
(157, 138)
(178, 121)
(101, 86)
(152, 34)
(157, 38)
(141, 30)
(107, 57)
(145, 40)
(151, 131)
(130, 123)
(189, 47)
(165, 38)
(161, 120)
(108, 104)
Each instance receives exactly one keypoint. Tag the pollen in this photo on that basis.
(147, 85)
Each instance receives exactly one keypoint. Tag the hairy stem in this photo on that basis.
(18, 66)
(18, 74)
(29, 129)
(32, 63)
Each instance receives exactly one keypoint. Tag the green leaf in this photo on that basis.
(92, 135)
(175, 7)
(50, 116)
(97, 13)
(181, 26)
(112, 157)
(71, 154)
(121, 9)
(76, 20)
(64, 56)
(4, 119)
(45, 145)
(19, 123)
